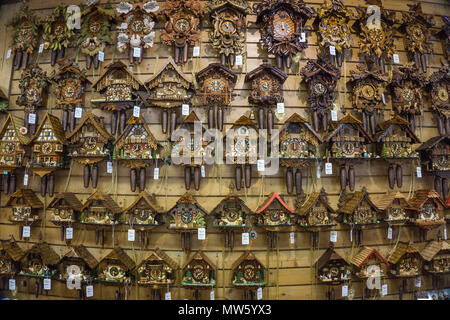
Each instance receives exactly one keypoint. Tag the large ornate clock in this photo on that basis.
(283, 30)
(439, 83)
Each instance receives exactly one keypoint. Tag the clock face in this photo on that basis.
(137, 26)
(227, 27)
(114, 271)
(63, 214)
(136, 149)
(265, 87)
(69, 91)
(396, 212)
(249, 272)
(36, 265)
(232, 214)
(368, 91)
(47, 148)
(90, 143)
(242, 145)
(143, 215)
(155, 273)
(396, 149)
(443, 94)
(283, 25)
(348, 148)
(319, 88)
(198, 272)
(216, 86)
(10, 147)
(58, 30)
(282, 29)
(416, 33)
(407, 94)
(376, 35)
(32, 94)
(182, 25)
(442, 161)
(94, 27)
(334, 271)
(186, 217)
(274, 216)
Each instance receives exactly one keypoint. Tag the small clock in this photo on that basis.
(443, 94)
(407, 94)
(249, 272)
(266, 87)
(32, 94)
(368, 92)
(186, 217)
(216, 86)
(396, 149)
(242, 145)
(283, 25)
(182, 25)
(228, 26)
(319, 88)
(90, 143)
(47, 148)
(143, 215)
(274, 216)
(334, 271)
(232, 214)
(10, 147)
(348, 148)
(198, 272)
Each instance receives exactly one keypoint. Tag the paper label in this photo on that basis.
(245, 238)
(419, 172)
(201, 233)
(292, 237)
(351, 234)
(156, 174)
(203, 171)
(261, 165)
(185, 109)
(41, 48)
(303, 37)
(389, 235)
(137, 52)
(332, 50)
(319, 172)
(259, 294)
(211, 295)
(78, 112)
(32, 118)
(384, 289)
(280, 107)
(333, 236)
(445, 232)
(8, 54)
(334, 115)
(26, 232)
(47, 284)
(196, 52)
(418, 282)
(101, 56)
(168, 296)
(345, 291)
(396, 58)
(328, 168)
(89, 291)
(25, 179)
(136, 111)
(109, 167)
(131, 234)
(383, 98)
(69, 233)
(239, 60)
(12, 284)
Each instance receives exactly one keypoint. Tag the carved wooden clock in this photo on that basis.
(444, 35)
(405, 260)
(199, 273)
(115, 268)
(10, 255)
(248, 275)
(65, 208)
(25, 207)
(266, 85)
(228, 35)
(332, 23)
(216, 84)
(181, 29)
(332, 269)
(439, 83)
(417, 28)
(283, 30)
(393, 206)
(25, 38)
(321, 78)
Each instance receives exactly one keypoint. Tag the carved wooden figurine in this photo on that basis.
(181, 29)
(64, 210)
(283, 31)
(248, 275)
(199, 273)
(439, 83)
(10, 255)
(321, 78)
(405, 260)
(436, 256)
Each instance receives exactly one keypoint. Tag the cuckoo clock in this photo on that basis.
(70, 82)
(168, 89)
(439, 83)
(394, 143)
(406, 91)
(275, 215)
(405, 260)
(89, 145)
(283, 31)
(332, 23)
(57, 35)
(186, 216)
(426, 211)
(243, 151)
(100, 212)
(136, 148)
(374, 25)
(216, 83)
(135, 33)
(266, 91)
(332, 269)
(199, 273)
(26, 34)
(434, 156)
(417, 28)
(368, 88)
(321, 78)
(115, 268)
(248, 275)
(49, 149)
(393, 207)
(228, 34)
(358, 211)
(10, 255)
(347, 143)
(436, 256)
(298, 148)
(315, 214)
(64, 210)
(95, 32)
(444, 35)
(25, 206)
(231, 215)
(33, 87)
(118, 85)
(4, 101)
(181, 29)
(13, 143)
(143, 215)
(157, 271)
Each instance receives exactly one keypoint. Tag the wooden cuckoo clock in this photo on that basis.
(181, 29)
(33, 87)
(25, 207)
(228, 34)
(48, 152)
(118, 86)
(375, 27)
(347, 143)
(136, 148)
(436, 256)
(231, 215)
(315, 214)
(26, 34)
(168, 89)
(186, 216)
(298, 148)
(70, 82)
(157, 271)
(64, 211)
(332, 269)
(368, 88)
(95, 33)
(248, 275)
(394, 142)
(57, 36)
(332, 22)
(243, 151)
(439, 83)
(393, 207)
(275, 215)
(321, 78)
(143, 215)
(444, 35)
(100, 212)
(417, 28)
(216, 83)
(10, 255)
(115, 268)
(199, 273)
(283, 31)
(89, 145)
(266, 91)
(13, 142)
(136, 29)
(405, 260)
(358, 211)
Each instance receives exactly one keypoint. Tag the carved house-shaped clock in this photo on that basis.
(439, 83)
(405, 260)
(25, 207)
(248, 275)
(199, 273)
(332, 269)
(274, 215)
(115, 267)
(64, 210)
(436, 256)
(10, 255)
(393, 207)
(216, 83)
(298, 148)
(89, 145)
(186, 216)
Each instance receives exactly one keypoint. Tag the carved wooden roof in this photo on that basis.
(214, 68)
(319, 66)
(246, 256)
(67, 66)
(97, 122)
(56, 127)
(270, 199)
(327, 256)
(311, 200)
(151, 140)
(244, 121)
(101, 83)
(239, 5)
(432, 142)
(387, 126)
(188, 199)
(400, 250)
(47, 254)
(265, 68)
(106, 199)
(433, 248)
(186, 81)
(230, 198)
(151, 201)
(158, 255)
(298, 7)
(28, 195)
(81, 252)
(16, 123)
(350, 120)
(12, 249)
(118, 254)
(69, 197)
(421, 196)
(385, 201)
(352, 203)
(296, 118)
(199, 255)
(361, 257)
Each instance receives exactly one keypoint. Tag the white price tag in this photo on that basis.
(384, 289)
(261, 165)
(418, 282)
(280, 107)
(445, 232)
(259, 294)
(245, 238)
(168, 296)
(131, 234)
(211, 295)
(89, 291)
(8, 54)
(136, 111)
(26, 232)
(185, 109)
(344, 290)
(109, 167)
(328, 168)
(334, 115)
(78, 112)
(156, 174)
(41, 48)
(69, 233)
(239, 60)
(32, 118)
(396, 58)
(333, 50)
(389, 236)
(12, 284)
(383, 98)
(303, 37)
(196, 52)
(333, 236)
(47, 284)
(201, 233)
(203, 171)
(25, 179)
(319, 172)
(351, 234)
(101, 56)
(419, 172)
(137, 52)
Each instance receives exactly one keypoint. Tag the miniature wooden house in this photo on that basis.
(115, 267)
(25, 208)
(436, 256)
(10, 255)
(394, 208)
(298, 147)
(40, 261)
(64, 209)
(332, 268)
(405, 260)
(248, 274)
(199, 273)
(368, 262)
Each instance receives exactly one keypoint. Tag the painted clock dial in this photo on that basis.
(198, 272)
